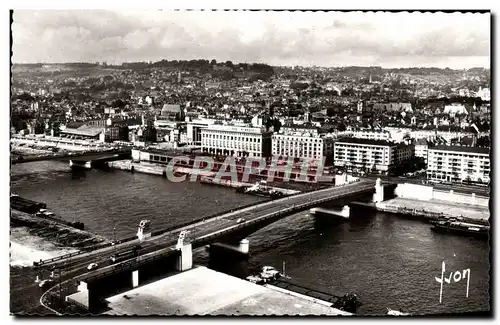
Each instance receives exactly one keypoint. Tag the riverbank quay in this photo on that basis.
(288, 188)
(436, 209)
(57, 232)
(429, 210)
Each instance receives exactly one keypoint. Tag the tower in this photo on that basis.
(360, 106)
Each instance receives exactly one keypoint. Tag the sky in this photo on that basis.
(331, 39)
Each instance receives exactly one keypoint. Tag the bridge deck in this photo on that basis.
(205, 232)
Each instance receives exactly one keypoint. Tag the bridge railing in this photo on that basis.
(154, 233)
(282, 212)
(41, 262)
(130, 264)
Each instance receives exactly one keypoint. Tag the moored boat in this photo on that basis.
(393, 312)
(464, 228)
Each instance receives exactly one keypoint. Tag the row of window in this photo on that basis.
(231, 137)
(298, 154)
(361, 150)
(286, 145)
(315, 140)
(361, 146)
(461, 155)
(238, 153)
(365, 160)
(244, 146)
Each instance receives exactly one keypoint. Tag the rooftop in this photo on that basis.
(201, 291)
(421, 142)
(92, 132)
(462, 149)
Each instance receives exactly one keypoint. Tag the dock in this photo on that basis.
(202, 291)
(316, 296)
(32, 207)
(25, 205)
(60, 232)
(432, 211)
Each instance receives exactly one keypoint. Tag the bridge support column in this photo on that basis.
(227, 251)
(378, 196)
(244, 246)
(86, 297)
(346, 211)
(185, 258)
(80, 164)
(135, 278)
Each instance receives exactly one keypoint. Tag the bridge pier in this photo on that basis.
(135, 278)
(228, 251)
(378, 196)
(80, 164)
(87, 297)
(345, 213)
(185, 259)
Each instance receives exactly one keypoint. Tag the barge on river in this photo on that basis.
(462, 228)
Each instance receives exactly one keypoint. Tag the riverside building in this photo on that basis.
(302, 144)
(379, 155)
(236, 141)
(458, 164)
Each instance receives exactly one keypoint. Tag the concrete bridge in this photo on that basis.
(74, 156)
(173, 250)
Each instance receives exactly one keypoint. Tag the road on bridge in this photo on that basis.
(88, 154)
(76, 266)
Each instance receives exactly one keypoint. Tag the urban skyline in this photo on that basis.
(328, 39)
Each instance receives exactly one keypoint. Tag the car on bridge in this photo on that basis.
(92, 266)
(240, 220)
(45, 283)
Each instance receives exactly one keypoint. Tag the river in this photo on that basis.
(387, 260)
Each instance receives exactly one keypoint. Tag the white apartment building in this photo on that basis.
(371, 134)
(236, 141)
(455, 108)
(458, 164)
(378, 155)
(307, 144)
(484, 93)
(398, 133)
(421, 148)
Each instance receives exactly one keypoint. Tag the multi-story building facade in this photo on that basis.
(193, 130)
(458, 164)
(371, 134)
(372, 154)
(399, 133)
(421, 148)
(236, 141)
(305, 144)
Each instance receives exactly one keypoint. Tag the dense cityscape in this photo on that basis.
(167, 104)
(361, 170)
